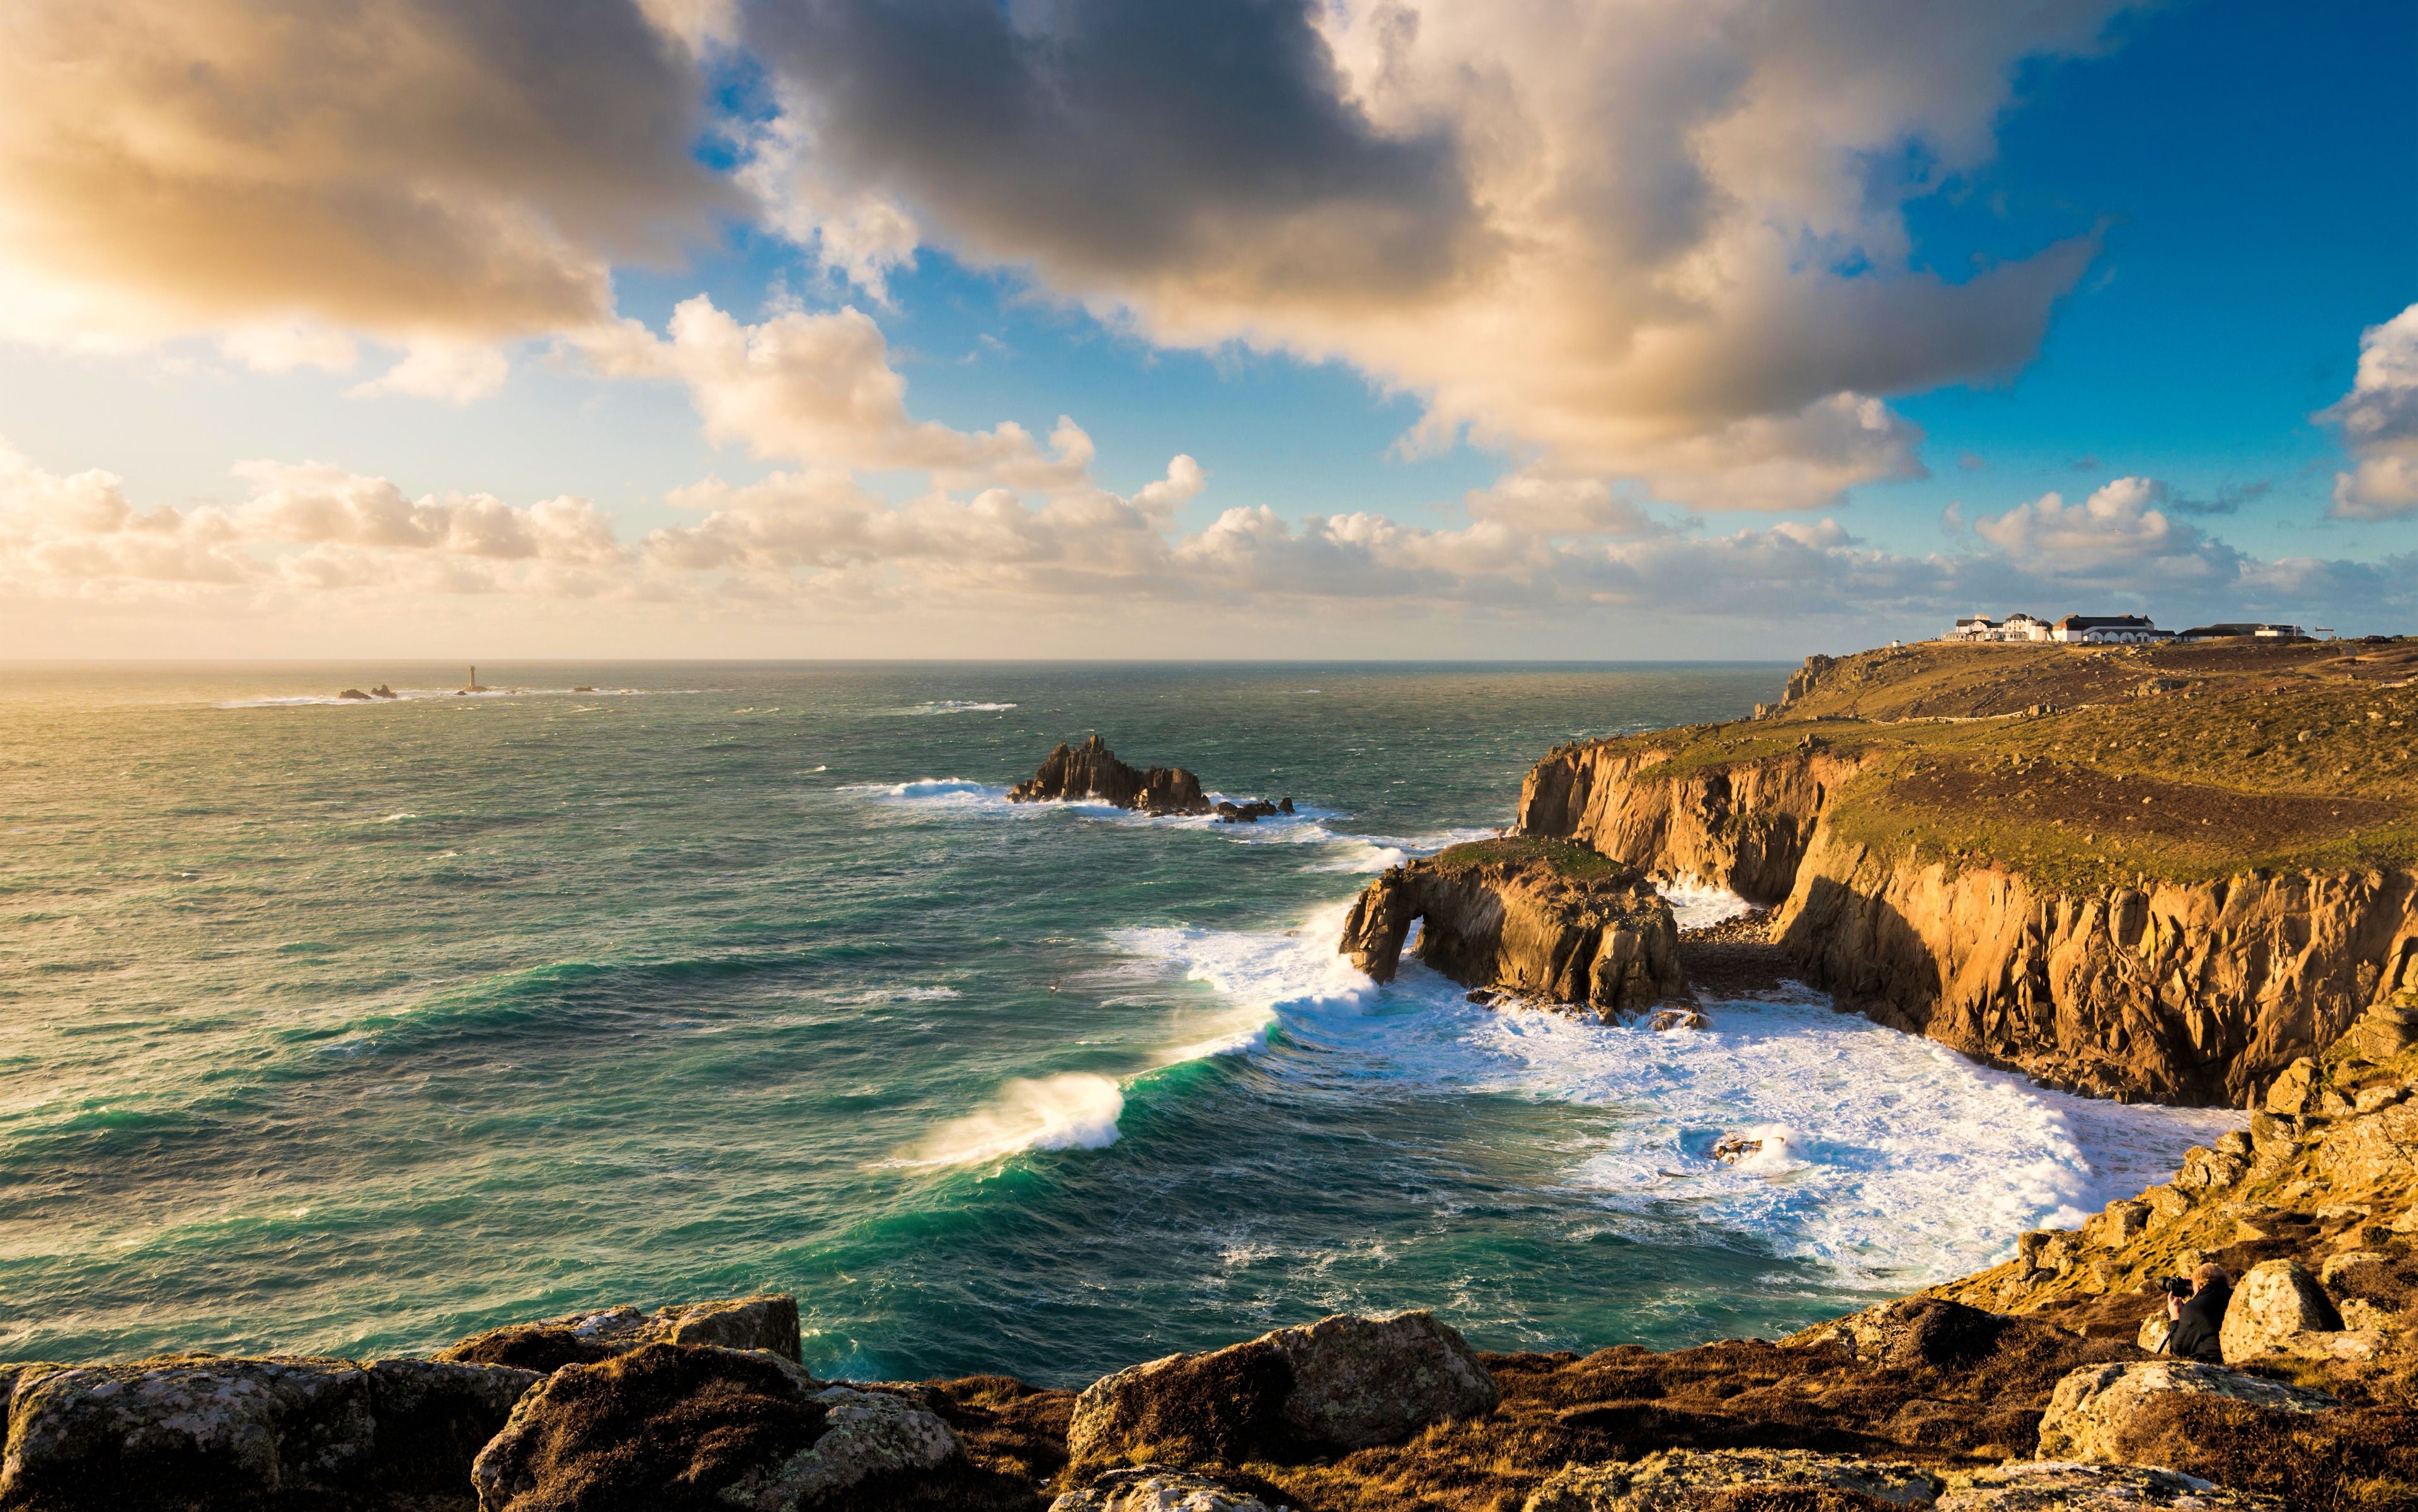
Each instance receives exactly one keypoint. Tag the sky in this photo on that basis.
(1530, 329)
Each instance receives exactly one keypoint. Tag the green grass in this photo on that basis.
(1952, 770)
(1574, 861)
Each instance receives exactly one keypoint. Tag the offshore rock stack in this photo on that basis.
(1091, 773)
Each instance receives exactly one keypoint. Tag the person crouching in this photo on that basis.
(2199, 1319)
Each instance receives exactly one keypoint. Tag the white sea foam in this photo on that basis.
(1697, 905)
(1888, 1157)
(1072, 1112)
(964, 796)
(879, 995)
(955, 706)
(1371, 853)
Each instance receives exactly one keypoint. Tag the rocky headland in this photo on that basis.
(2145, 873)
(1091, 773)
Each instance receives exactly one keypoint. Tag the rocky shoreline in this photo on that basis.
(2035, 1385)
(2032, 1385)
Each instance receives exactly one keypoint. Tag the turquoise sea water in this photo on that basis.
(357, 1028)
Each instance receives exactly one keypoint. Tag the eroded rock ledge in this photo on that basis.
(1534, 919)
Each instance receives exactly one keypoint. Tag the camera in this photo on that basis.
(2178, 1286)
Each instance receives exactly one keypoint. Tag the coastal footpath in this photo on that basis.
(2149, 873)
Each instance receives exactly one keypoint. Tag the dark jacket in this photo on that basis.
(2194, 1334)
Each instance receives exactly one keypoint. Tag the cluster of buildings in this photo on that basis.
(2108, 630)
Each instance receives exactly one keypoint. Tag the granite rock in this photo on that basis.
(2092, 1409)
(201, 1430)
(671, 1425)
(2276, 1304)
(1342, 1383)
(1158, 1489)
(2055, 1485)
(766, 1321)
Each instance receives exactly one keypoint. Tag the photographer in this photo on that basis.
(2198, 1317)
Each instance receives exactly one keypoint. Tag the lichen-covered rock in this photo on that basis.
(186, 1430)
(2090, 1410)
(2055, 1485)
(1680, 1480)
(201, 1430)
(1911, 1331)
(20, 1375)
(1342, 1383)
(865, 1434)
(767, 1322)
(431, 1418)
(2155, 1329)
(1158, 1489)
(1358, 1381)
(2278, 1300)
(670, 1426)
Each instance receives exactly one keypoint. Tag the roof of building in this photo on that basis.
(2099, 622)
(2235, 628)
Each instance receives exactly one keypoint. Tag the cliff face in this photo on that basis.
(1744, 826)
(1540, 920)
(2169, 892)
(2178, 992)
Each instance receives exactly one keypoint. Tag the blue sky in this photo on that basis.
(1628, 474)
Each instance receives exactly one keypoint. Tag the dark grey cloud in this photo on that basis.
(1100, 139)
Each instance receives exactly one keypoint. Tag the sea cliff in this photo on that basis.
(2152, 874)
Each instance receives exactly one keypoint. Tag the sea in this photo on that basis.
(352, 1028)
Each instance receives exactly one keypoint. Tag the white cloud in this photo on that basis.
(452, 373)
(1555, 558)
(1656, 239)
(2378, 421)
(2117, 529)
(281, 347)
(819, 388)
(299, 524)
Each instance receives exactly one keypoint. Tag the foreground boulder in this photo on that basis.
(768, 1321)
(1909, 1332)
(2052, 1486)
(1340, 1383)
(1682, 1480)
(1091, 772)
(199, 1432)
(1157, 1488)
(671, 1427)
(2276, 1304)
(2098, 1411)
(1538, 920)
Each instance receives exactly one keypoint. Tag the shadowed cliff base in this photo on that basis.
(1735, 958)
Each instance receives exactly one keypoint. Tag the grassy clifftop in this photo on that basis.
(2090, 765)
